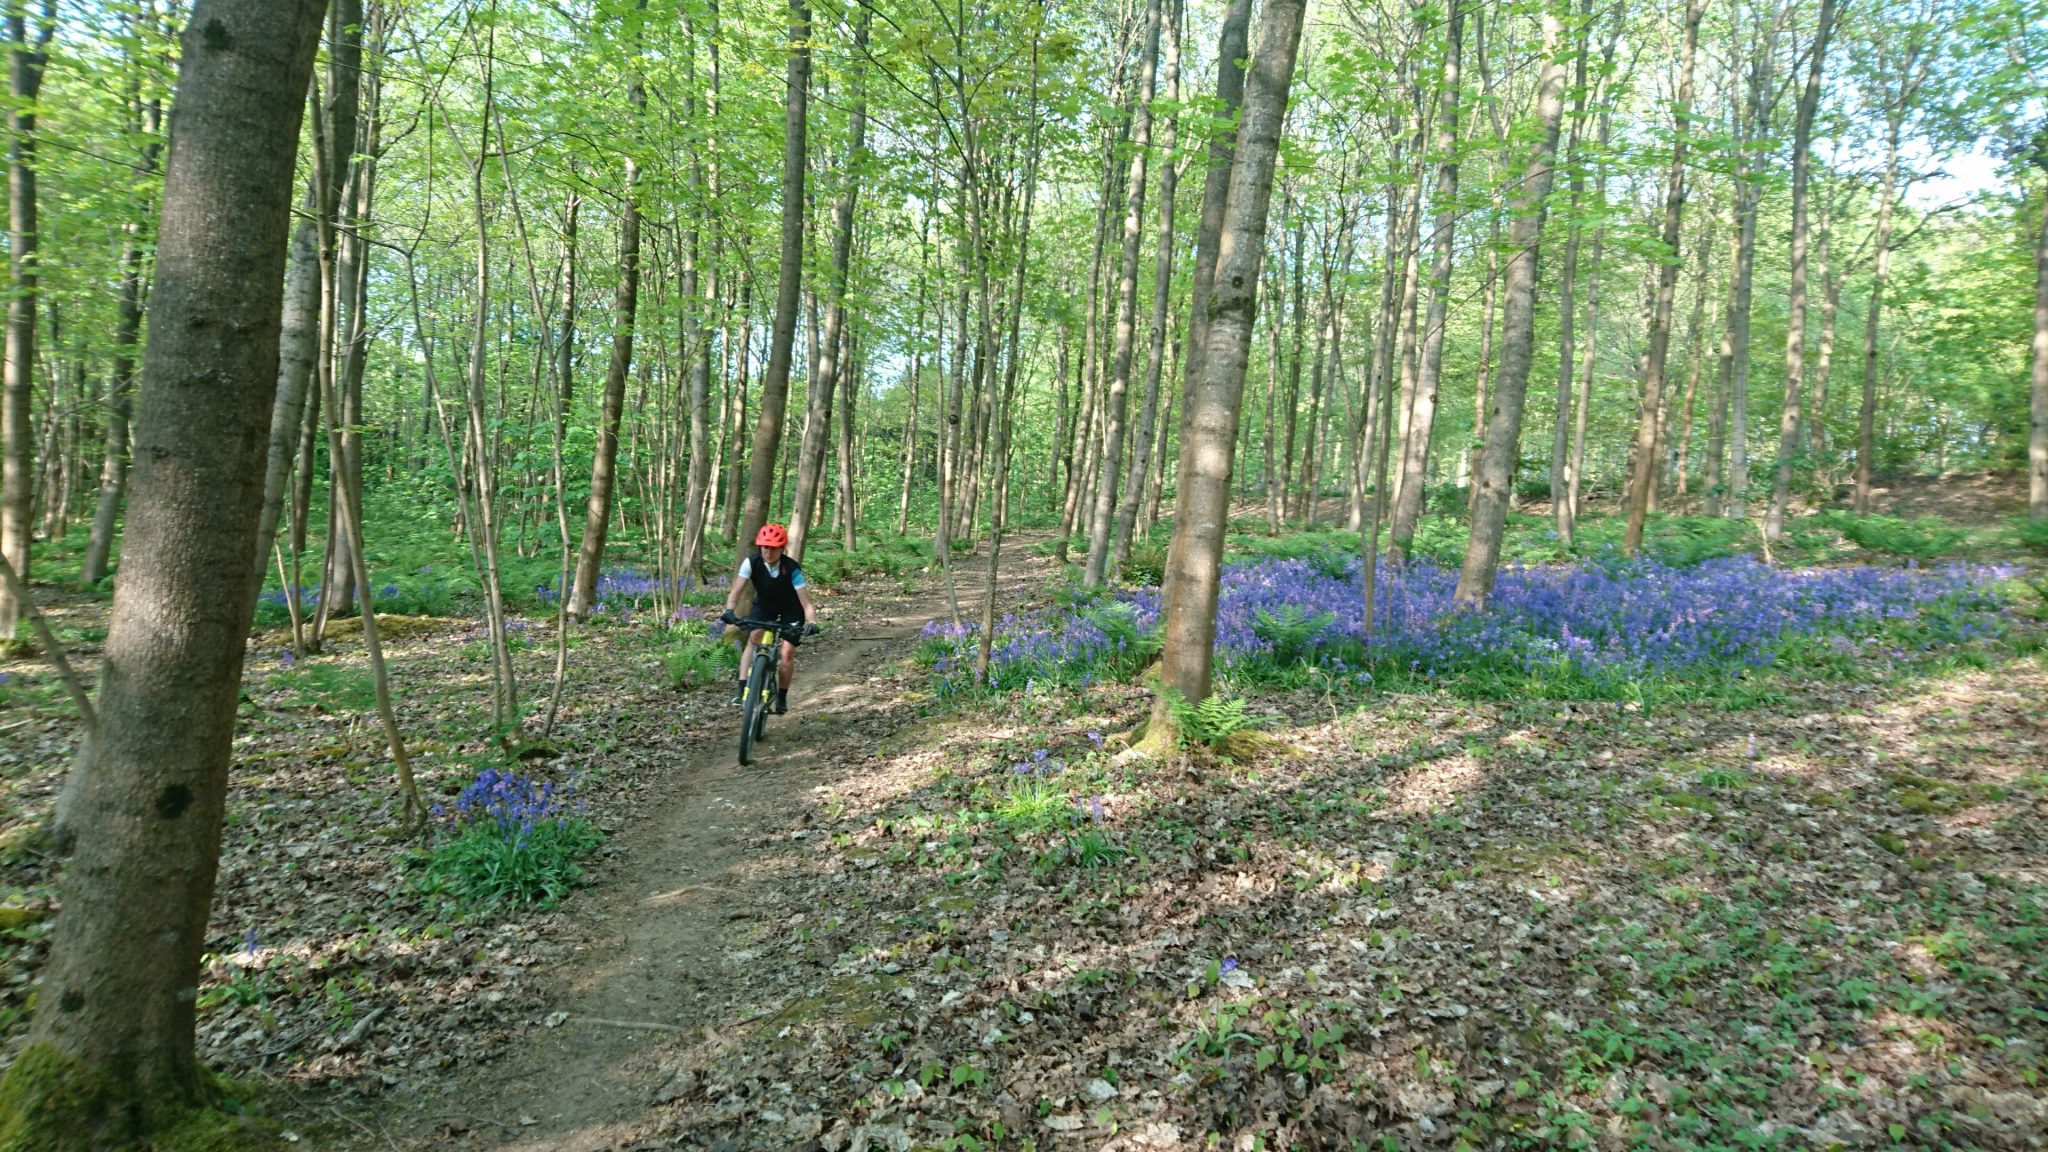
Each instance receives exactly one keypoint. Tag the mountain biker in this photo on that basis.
(779, 595)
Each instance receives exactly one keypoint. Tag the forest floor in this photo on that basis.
(1410, 919)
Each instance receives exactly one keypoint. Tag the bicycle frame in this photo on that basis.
(762, 679)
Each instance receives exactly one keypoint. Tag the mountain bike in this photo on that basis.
(756, 700)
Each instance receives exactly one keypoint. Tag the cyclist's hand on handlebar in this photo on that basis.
(727, 617)
(810, 629)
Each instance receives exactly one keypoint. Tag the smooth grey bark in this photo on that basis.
(146, 120)
(1759, 102)
(1656, 360)
(1560, 440)
(1215, 392)
(810, 463)
(1880, 279)
(2037, 438)
(604, 465)
(1824, 359)
(1795, 325)
(1116, 401)
(112, 1043)
(1162, 293)
(999, 486)
(295, 356)
(1504, 423)
(1231, 50)
(846, 513)
(697, 335)
(910, 414)
(1081, 445)
(1377, 374)
(28, 55)
(767, 442)
(1422, 409)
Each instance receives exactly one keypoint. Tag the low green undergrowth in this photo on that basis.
(694, 660)
(507, 840)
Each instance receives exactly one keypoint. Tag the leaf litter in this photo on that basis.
(1426, 922)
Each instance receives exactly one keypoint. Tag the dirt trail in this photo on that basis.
(656, 935)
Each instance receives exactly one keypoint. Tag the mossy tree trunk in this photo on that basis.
(113, 1032)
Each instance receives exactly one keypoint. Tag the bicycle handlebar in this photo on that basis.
(782, 628)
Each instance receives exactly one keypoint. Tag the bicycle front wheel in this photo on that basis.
(754, 713)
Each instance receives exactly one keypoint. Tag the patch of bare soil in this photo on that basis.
(331, 975)
(669, 946)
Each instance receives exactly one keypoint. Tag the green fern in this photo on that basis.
(1210, 723)
(1131, 647)
(1294, 634)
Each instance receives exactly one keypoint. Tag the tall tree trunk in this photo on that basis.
(698, 334)
(1880, 277)
(604, 464)
(1795, 325)
(1157, 486)
(1376, 377)
(1643, 483)
(1561, 503)
(565, 346)
(28, 54)
(810, 465)
(910, 413)
(1405, 308)
(1824, 361)
(1695, 337)
(1216, 390)
(999, 483)
(1272, 474)
(1748, 199)
(111, 1052)
(1589, 348)
(343, 353)
(1422, 412)
(1162, 292)
(2037, 439)
(1116, 401)
(147, 122)
(735, 495)
(789, 282)
(1284, 312)
(1082, 429)
(1231, 48)
(846, 514)
(1504, 422)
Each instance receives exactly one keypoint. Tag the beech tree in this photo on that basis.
(1215, 388)
(111, 1051)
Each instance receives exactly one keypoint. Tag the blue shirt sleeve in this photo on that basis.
(798, 580)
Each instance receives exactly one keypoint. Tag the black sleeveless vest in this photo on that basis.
(775, 596)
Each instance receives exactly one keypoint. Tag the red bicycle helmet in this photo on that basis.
(772, 536)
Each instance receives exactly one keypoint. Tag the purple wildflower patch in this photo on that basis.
(1605, 621)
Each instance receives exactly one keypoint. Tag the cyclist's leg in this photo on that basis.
(786, 670)
(753, 642)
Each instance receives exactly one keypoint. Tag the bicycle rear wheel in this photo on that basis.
(754, 712)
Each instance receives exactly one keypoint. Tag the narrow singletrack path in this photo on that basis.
(656, 954)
